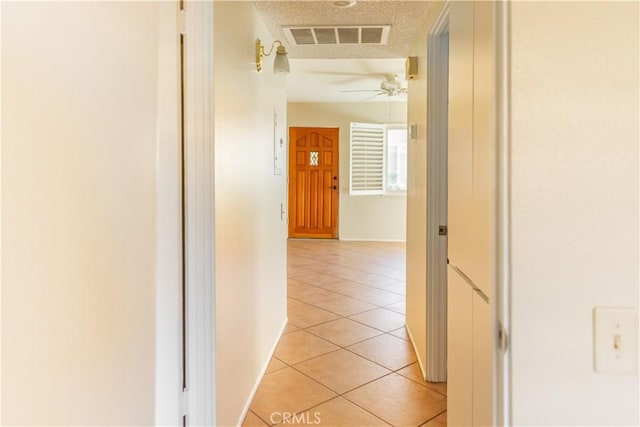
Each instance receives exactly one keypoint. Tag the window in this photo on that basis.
(396, 159)
(367, 159)
(378, 159)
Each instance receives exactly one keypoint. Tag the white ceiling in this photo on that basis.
(322, 80)
(320, 72)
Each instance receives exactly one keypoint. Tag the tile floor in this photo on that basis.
(344, 358)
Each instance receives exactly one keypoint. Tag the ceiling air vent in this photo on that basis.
(320, 35)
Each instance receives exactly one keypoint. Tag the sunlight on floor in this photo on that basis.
(344, 358)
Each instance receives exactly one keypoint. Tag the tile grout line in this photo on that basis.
(342, 395)
(344, 257)
(433, 418)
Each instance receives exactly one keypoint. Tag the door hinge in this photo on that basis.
(503, 342)
(185, 402)
(182, 21)
(442, 230)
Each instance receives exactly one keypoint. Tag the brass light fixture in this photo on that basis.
(280, 63)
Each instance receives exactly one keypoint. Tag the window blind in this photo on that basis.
(367, 146)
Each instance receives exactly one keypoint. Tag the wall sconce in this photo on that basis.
(280, 64)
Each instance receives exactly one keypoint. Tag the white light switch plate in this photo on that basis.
(615, 340)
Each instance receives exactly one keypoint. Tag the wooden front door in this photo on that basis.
(313, 182)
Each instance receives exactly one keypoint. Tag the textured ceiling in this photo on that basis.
(322, 73)
(405, 18)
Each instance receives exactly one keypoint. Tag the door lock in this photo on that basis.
(442, 230)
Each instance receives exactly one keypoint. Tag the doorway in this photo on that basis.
(313, 182)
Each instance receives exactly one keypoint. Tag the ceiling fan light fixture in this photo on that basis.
(344, 4)
(390, 85)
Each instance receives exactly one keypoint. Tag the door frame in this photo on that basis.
(199, 214)
(168, 321)
(1, 287)
(502, 291)
(501, 310)
(437, 190)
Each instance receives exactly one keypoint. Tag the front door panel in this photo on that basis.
(313, 182)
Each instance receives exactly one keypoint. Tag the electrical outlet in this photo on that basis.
(615, 340)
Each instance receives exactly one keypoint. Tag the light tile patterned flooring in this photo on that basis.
(344, 358)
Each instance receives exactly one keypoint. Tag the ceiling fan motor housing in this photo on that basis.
(390, 85)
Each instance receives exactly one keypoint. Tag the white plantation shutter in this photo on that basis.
(367, 159)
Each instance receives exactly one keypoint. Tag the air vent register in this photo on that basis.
(319, 35)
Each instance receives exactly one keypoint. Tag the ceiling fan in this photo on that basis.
(390, 86)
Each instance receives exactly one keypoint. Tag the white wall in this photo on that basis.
(360, 217)
(79, 142)
(250, 235)
(574, 205)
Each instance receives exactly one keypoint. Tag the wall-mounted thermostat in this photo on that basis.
(413, 131)
(411, 68)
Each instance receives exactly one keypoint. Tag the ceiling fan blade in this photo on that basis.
(340, 73)
(372, 71)
(371, 97)
(347, 80)
(364, 90)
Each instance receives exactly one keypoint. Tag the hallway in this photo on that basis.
(345, 357)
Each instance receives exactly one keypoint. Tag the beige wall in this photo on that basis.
(360, 217)
(574, 205)
(250, 235)
(79, 85)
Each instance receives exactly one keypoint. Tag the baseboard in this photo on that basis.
(348, 239)
(247, 405)
(415, 350)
